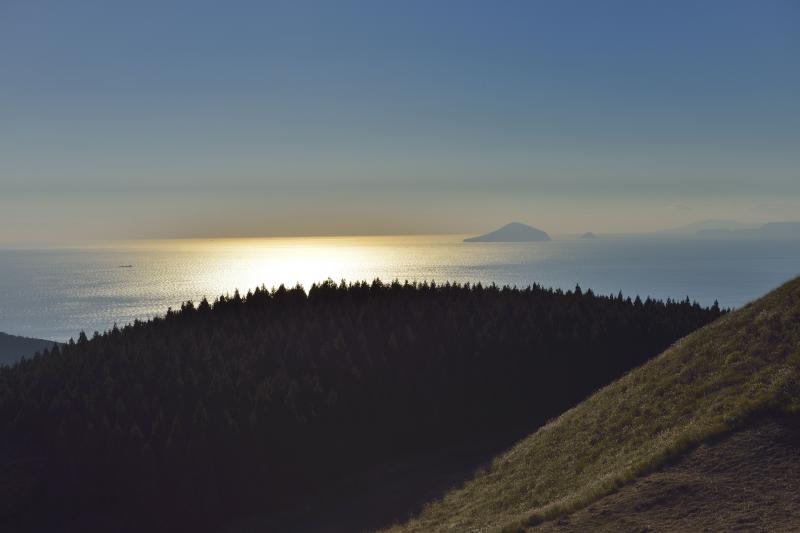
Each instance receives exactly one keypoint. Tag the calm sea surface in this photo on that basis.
(56, 293)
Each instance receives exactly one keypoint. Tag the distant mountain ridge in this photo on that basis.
(513, 232)
(13, 348)
(769, 230)
(711, 224)
(733, 228)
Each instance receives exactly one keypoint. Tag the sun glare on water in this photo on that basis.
(211, 267)
(254, 262)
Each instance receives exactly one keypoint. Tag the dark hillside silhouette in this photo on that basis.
(13, 347)
(251, 403)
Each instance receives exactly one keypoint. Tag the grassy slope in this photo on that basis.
(745, 481)
(707, 383)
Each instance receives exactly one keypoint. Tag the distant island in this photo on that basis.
(588, 235)
(513, 232)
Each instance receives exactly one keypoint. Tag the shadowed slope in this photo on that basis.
(710, 382)
(13, 348)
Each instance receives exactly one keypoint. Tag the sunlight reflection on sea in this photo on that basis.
(55, 293)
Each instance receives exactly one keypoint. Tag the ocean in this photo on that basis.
(55, 293)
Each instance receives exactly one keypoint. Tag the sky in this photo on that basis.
(210, 119)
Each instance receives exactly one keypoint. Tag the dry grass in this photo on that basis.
(745, 481)
(706, 384)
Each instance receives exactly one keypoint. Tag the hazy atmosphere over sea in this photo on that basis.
(305, 118)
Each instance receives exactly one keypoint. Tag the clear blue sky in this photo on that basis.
(131, 119)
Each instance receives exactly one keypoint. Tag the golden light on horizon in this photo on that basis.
(212, 267)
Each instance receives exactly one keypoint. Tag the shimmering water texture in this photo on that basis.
(56, 293)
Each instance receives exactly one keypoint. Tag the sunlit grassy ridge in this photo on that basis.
(710, 382)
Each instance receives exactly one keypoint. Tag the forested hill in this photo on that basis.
(213, 410)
